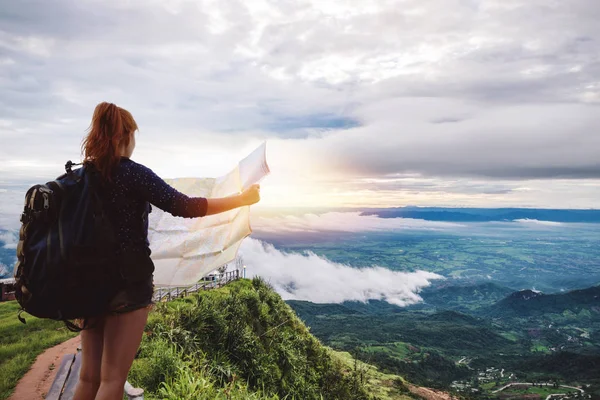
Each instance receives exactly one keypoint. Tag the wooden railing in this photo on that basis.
(211, 282)
(7, 289)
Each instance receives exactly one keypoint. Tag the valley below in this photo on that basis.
(528, 342)
(516, 314)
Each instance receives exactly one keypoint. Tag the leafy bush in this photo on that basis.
(240, 338)
(157, 360)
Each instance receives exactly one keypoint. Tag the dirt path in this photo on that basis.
(429, 394)
(37, 381)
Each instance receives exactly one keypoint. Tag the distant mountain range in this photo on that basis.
(486, 214)
(527, 303)
(479, 300)
(463, 298)
(492, 300)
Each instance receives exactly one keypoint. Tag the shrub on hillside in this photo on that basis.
(241, 335)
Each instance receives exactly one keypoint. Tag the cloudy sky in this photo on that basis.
(364, 103)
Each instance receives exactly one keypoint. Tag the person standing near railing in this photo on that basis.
(110, 343)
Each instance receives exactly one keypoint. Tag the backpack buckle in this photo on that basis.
(25, 218)
(69, 165)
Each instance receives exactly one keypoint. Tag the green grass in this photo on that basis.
(382, 386)
(243, 339)
(21, 344)
(488, 386)
(542, 391)
(510, 336)
(540, 348)
(398, 350)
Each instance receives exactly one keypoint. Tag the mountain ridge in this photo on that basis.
(488, 214)
(528, 302)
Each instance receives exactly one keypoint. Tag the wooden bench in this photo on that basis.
(63, 387)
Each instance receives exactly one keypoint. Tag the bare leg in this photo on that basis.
(122, 337)
(92, 343)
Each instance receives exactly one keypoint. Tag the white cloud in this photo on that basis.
(316, 279)
(344, 222)
(11, 205)
(3, 270)
(10, 239)
(534, 222)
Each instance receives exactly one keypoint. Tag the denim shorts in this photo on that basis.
(132, 296)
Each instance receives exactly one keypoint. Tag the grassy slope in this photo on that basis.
(260, 309)
(381, 385)
(21, 344)
(243, 341)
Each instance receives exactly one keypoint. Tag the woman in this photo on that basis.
(110, 344)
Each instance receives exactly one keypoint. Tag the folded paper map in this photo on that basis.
(183, 249)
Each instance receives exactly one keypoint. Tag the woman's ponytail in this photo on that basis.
(110, 130)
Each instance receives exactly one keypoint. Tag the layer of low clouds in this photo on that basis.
(477, 99)
(9, 239)
(313, 278)
(535, 222)
(344, 222)
(334, 225)
(12, 198)
(8, 244)
(4, 272)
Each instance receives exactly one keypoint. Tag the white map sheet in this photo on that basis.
(183, 249)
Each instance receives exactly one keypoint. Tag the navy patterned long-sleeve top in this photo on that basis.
(128, 197)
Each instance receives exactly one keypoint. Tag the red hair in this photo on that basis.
(109, 132)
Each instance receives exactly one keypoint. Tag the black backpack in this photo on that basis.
(67, 267)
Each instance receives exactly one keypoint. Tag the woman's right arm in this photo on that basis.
(246, 198)
(155, 190)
